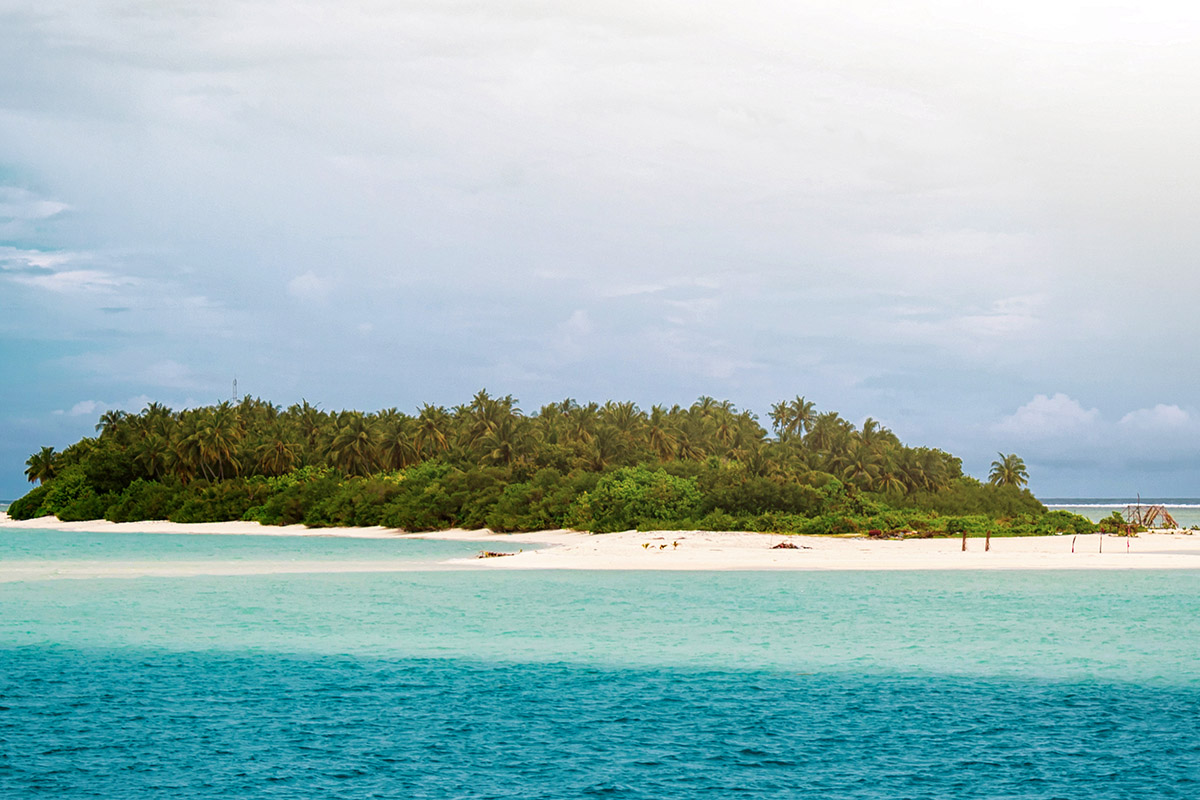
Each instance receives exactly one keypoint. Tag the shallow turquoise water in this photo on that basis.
(27, 545)
(576, 684)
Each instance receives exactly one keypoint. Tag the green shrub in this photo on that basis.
(86, 508)
(144, 500)
(357, 502)
(31, 504)
(635, 497)
(754, 495)
(422, 504)
(222, 501)
(1065, 522)
(67, 487)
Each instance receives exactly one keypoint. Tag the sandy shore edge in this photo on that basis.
(709, 550)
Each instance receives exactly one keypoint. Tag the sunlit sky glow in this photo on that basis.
(975, 224)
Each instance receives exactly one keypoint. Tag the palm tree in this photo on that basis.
(758, 461)
(625, 417)
(354, 449)
(803, 414)
(41, 466)
(581, 422)
(432, 424)
(792, 418)
(152, 452)
(660, 433)
(217, 437)
(277, 454)
(828, 432)
(860, 466)
(606, 447)
(399, 446)
(508, 441)
(110, 422)
(1009, 471)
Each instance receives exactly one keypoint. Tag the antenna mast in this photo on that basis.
(235, 390)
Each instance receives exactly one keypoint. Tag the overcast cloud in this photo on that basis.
(977, 225)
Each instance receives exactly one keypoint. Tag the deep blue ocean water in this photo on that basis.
(494, 684)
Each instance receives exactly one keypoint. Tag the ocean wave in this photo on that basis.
(1119, 504)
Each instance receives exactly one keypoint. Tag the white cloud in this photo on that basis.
(171, 374)
(1160, 417)
(83, 408)
(22, 205)
(631, 289)
(16, 259)
(1049, 416)
(90, 408)
(578, 324)
(690, 311)
(308, 288)
(76, 280)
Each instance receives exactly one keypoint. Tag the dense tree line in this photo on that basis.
(587, 465)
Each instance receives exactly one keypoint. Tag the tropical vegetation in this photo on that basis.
(1009, 471)
(590, 466)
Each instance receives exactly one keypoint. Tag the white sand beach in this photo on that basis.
(689, 550)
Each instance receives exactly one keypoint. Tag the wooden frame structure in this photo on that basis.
(1149, 517)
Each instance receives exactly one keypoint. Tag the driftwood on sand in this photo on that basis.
(492, 554)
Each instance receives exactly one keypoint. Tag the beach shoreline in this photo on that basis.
(719, 550)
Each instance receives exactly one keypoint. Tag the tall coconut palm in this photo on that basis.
(661, 433)
(398, 445)
(1009, 471)
(42, 465)
(111, 422)
(582, 421)
(277, 454)
(793, 418)
(218, 435)
(311, 422)
(625, 417)
(355, 447)
(860, 465)
(828, 432)
(508, 441)
(152, 453)
(605, 448)
(433, 423)
(185, 446)
(550, 422)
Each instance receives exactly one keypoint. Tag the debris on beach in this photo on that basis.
(875, 533)
(492, 554)
(785, 546)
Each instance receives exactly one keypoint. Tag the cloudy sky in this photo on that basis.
(977, 225)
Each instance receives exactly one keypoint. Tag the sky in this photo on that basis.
(975, 224)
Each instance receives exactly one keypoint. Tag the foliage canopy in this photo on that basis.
(592, 466)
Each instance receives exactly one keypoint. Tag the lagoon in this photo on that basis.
(435, 683)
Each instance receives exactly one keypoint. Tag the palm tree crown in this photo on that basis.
(1009, 471)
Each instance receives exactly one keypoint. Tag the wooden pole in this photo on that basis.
(987, 544)
(964, 540)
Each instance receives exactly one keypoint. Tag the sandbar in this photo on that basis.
(677, 550)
